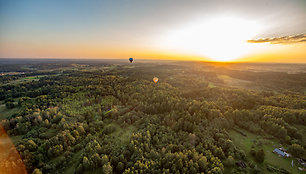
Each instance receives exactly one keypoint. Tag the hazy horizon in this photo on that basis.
(150, 59)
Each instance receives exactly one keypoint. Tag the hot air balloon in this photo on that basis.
(155, 79)
(131, 60)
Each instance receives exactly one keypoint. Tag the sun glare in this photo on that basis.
(219, 38)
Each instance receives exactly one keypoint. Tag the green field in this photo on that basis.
(303, 131)
(235, 83)
(246, 142)
(29, 78)
(122, 135)
(25, 79)
(4, 112)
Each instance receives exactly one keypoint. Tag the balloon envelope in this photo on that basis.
(155, 79)
(131, 60)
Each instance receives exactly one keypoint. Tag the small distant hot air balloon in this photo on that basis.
(131, 60)
(155, 79)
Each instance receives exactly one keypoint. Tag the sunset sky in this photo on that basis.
(219, 30)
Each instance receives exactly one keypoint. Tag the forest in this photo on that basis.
(95, 116)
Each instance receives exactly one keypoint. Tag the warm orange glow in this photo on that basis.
(262, 52)
(10, 161)
(228, 47)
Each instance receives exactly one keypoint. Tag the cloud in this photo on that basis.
(281, 40)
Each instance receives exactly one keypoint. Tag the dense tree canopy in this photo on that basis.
(114, 119)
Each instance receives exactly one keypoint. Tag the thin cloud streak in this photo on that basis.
(281, 40)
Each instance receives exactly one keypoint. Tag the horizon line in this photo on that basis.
(143, 59)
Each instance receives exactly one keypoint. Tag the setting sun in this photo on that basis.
(221, 38)
(152, 86)
(217, 31)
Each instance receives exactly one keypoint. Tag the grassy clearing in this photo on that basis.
(50, 133)
(75, 159)
(123, 134)
(245, 143)
(26, 79)
(4, 112)
(16, 139)
(211, 85)
(235, 83)
(303, 131)
(30, 78)
(99, 171)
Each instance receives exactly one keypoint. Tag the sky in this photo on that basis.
(216, 30)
